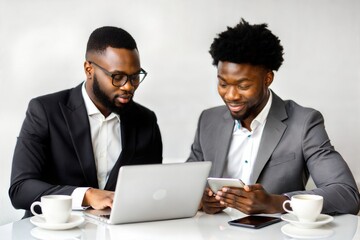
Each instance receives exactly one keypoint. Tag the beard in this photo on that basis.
(252, 108)
(241, 117)
(105, 100)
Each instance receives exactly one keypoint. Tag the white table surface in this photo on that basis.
(202, 226)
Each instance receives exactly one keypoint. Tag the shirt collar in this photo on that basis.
(91, 108)
(260, 118)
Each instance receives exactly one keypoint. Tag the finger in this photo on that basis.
(213, 204)
(211, 199)
(212, 207)
(239, 203)
(234, 204)
(254, 187)
(209, 192)
(230, 198)
(232, 190)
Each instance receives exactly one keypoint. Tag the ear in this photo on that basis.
(88, 70)
(269, 78)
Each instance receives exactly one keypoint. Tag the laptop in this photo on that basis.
(155, 192)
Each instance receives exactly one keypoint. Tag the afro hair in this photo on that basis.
(251, 44)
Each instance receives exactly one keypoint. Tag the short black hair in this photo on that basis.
(109, 36)
(251, 44)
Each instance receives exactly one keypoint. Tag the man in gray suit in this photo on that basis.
(271, 144)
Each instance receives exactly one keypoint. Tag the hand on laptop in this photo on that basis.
(251, 199)
(98, 199)
(209, 204)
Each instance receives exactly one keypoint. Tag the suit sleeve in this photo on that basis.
(196, 153)
(331, 174)
(28, 175)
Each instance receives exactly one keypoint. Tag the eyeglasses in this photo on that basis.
(120, 79)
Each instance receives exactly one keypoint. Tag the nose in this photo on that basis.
(232, 94)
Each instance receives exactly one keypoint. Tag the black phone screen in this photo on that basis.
(254, 221)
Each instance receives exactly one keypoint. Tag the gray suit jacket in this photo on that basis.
(293, 146)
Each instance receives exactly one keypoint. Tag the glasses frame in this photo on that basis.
(128, 76)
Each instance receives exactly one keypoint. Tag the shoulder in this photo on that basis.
(295, 110)
(56, 96)
(291, 110)
(214, 117)
(60, 96)
(219, 111)
(51, 101)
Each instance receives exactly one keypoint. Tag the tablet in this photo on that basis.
(217, 183)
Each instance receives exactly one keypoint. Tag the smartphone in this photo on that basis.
(217, 183)
(254, 221)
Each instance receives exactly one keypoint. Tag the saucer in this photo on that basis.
(74, 221)
(44, 234)
(321, 220)
(305, 233)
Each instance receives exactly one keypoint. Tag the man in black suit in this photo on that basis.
(73, 142)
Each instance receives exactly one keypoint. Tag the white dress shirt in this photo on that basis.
(244, 146)
(106, 142)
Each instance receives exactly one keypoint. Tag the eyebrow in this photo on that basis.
(238, 80)
(122, 72)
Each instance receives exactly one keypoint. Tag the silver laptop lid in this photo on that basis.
(158, 191)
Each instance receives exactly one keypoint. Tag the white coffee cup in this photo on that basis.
(306, 207)
(55, 208)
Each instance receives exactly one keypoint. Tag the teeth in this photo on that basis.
(236, 108)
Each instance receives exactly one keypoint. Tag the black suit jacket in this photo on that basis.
(54, 153)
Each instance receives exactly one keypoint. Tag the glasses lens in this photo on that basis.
(135, 79)
(119, 79)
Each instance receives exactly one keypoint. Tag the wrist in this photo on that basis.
(86, 200)
(277, 203)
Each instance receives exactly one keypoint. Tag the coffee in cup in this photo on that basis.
(55, 208)
(306, 207)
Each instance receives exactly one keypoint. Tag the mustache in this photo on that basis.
(125, 95)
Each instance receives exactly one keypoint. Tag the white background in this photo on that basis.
(42, 47)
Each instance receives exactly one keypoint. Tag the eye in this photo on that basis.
(119, 77)
(244, 86)
(222, 84)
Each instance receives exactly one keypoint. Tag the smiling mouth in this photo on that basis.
(236, 107)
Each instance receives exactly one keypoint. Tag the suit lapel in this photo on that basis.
(223, 143)
(273, 131)
(77, 121)
(128, 136)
